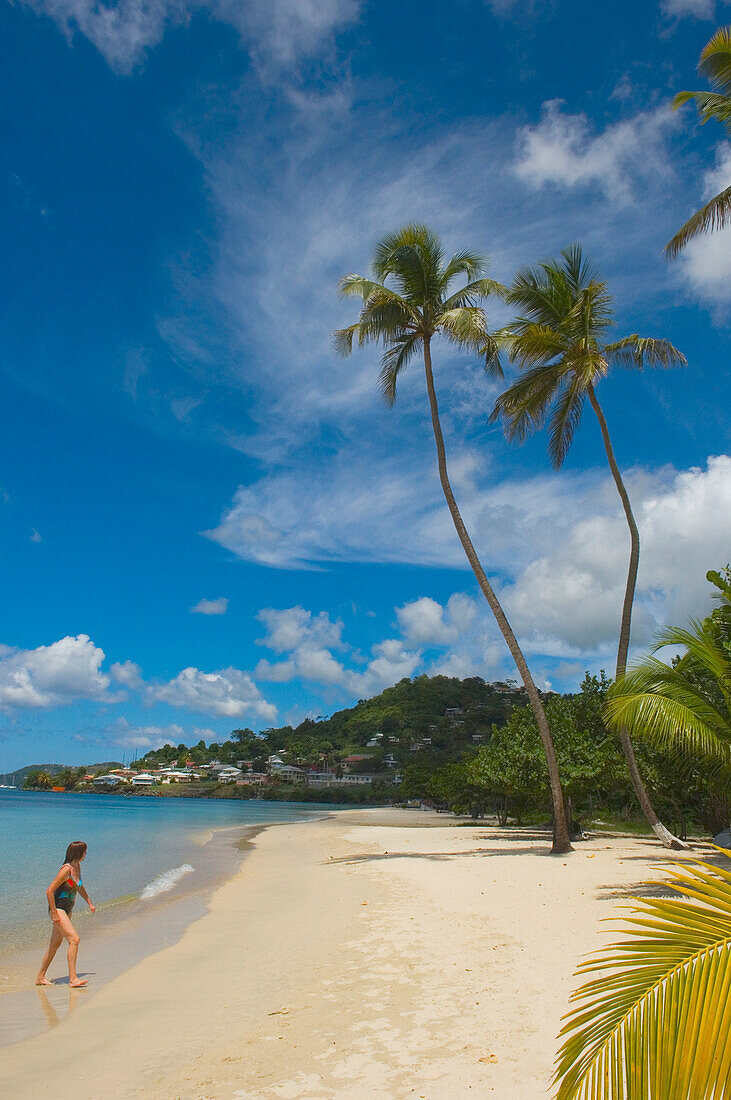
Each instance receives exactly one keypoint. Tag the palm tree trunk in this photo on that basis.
(663, 834)
(561, 841)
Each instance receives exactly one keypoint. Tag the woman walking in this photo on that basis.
(61, 896)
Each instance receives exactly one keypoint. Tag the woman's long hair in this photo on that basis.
(75, 850)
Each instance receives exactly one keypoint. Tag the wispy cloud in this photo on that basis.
(696, 9)
(278, 32)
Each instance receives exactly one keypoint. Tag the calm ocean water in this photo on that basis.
(138, 847)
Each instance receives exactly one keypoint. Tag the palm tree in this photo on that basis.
(657, 1024)
(560, 345)
(684, 705)
(715, 64)
(405, 318)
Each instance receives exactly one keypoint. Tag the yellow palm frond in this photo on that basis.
(656, 1024)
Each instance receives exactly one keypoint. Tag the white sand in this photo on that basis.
(352, 958)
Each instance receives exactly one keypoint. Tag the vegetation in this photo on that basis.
(406, 317)
(685, 705)
(655, 1023)
(715, 65)
(561, 343)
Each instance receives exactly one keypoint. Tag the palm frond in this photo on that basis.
(463, 325)
(413, 256)
(710, 105)
(656, 1022)
(473, 292)
(565, 419)
(686, 705)
(715, 60)
(524, 405)
(394, 361)
(343, 339)
(640, 351)
(468, 263)
(716, 214)
(533, 344)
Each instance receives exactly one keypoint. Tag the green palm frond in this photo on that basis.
(463, 325)
(474, 292)
(471, 264)
(710, 105)
(524, 405)
(413, 257)
(656, 1024)
(394, 361)
(716, 214)
(565, 419)
(685, 705)
(343, 339)
(534, 344)
(715, 61)
(640, 351)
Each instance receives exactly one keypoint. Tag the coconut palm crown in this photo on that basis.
(419, 304)
(561, 341)
(405, 316)
(715, 65)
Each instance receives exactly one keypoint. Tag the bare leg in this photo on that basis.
(72, 936)
(53, 946)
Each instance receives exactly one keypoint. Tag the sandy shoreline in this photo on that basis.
(357, 956)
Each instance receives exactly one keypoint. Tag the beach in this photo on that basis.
(373, 953)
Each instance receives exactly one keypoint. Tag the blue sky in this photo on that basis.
(183, 184)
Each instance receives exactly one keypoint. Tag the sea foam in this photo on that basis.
(165, 881)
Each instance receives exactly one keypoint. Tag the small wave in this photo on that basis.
(165, 881)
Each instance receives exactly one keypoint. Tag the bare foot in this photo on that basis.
(76, 983)
(43, 981)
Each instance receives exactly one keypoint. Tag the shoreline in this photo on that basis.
(117, 937)
(375, 953)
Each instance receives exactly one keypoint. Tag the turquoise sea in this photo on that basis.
(139, 847)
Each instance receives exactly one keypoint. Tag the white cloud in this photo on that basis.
(308, 641)
(372, 509)
(567, 602)
(128, 736)
(35, 535)
(705, 262)
(218, 606)
(227, 693)
(696, 9)
(425, 622)
(563, 150)
(128, 674)
(278, 32)
(53, 675)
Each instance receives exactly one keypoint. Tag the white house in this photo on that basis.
(228, 775)
(144, 779)
(107, 780)
(287, 773)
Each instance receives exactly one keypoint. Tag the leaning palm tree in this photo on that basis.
(715, 64)
(656, 1024)
(560, 344)
(405, 317)
(684, 705)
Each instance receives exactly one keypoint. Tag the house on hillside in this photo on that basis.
(109, 780)
(143, 779)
